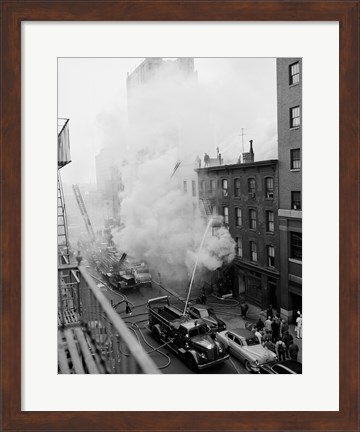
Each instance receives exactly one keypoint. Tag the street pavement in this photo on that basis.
(227, 309)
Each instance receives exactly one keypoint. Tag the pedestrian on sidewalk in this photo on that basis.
(267, 328)
(280, 349)
(275, 327)
(269, 345)
(287, 339)
(260, 324)
(284, 327)
(259, 335)
(267, 323)
(298, 327)
(244, 309)
(293, 351)
(269, 312)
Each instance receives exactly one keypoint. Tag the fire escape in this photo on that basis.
(92, 338)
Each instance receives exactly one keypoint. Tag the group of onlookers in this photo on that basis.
(274, 334)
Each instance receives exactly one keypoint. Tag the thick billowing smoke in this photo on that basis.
(159, 222)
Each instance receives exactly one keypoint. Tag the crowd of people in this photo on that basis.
(274, 334)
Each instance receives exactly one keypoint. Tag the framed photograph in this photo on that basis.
(273, 90)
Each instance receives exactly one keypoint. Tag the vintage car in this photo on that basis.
(282, 367)
(208, 315)
(245, 346)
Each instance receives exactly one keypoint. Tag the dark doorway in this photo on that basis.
(272, 299)
(296, 302)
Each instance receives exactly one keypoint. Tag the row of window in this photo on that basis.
(193, 186)
(295, 249)
(294, 73)
(270, 252)
(251, 187)
(270, 221)
(295, 199)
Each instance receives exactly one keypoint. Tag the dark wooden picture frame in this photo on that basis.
(13, 13)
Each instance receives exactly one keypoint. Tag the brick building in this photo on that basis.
(289, 106)
(246, 195)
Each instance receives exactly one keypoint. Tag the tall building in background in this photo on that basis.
(108, 181)
(148, 72)
(158, 101)
(289, 107)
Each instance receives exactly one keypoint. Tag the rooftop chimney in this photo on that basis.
(249, 157)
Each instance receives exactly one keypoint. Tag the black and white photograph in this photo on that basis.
(179, 215)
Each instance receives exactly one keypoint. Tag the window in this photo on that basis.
(212, 186)
(269, 187)
(238, 246)
(295, 162)
(202, 185)
(296, 245)
(193, 184)
(252, 219)
(185, 186)
(237, 187)
(251, 186)
(270, 221)
(237, 341)
(294, 73)
(226, 215)
(295, 117)
(253, 251)
(238, 216)
(296, 200)
(224, 185)
(270, 256)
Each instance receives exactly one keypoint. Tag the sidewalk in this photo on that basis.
(254, 312)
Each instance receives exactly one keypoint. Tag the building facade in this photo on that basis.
(289, 108)
(155, 72)
(246, 195)
(109, 185)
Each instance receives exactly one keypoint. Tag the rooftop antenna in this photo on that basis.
(242, 138)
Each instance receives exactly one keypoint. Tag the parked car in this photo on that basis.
(283, 367)
(208, 315)
(245, 346)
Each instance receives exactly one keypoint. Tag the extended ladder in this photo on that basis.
(84, 213)
(205, 208)
(63, 237)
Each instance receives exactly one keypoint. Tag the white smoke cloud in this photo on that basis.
(158, 221)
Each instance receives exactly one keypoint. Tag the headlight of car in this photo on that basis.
(256, 363)
(203, 356)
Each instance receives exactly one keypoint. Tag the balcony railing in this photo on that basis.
(63, 143)
(92, 337)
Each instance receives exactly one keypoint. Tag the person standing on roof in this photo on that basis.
(198, 161)
(206, 160)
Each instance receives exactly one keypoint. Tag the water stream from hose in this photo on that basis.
(196, 263)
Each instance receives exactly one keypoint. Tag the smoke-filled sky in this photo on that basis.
(232, 93)
(173, 118)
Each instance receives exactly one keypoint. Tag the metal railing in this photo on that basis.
(106, 343)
